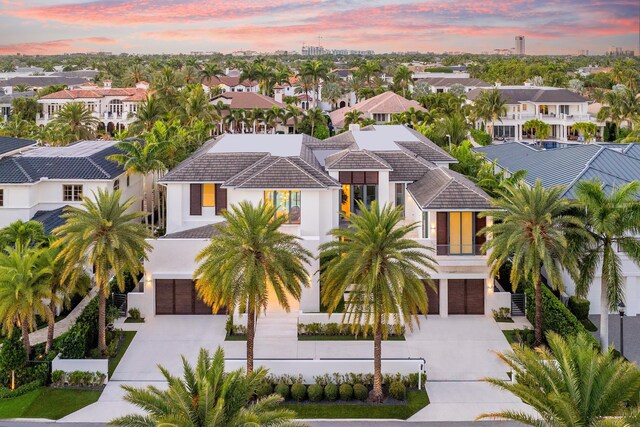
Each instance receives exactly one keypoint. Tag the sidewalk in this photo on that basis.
(63, 325)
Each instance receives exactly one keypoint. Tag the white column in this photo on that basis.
(444, 297)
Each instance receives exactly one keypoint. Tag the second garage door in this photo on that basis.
(179, 296)
(433, 296)
(466, 296)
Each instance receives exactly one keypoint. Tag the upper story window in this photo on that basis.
(543, 109)
(116, 185)
(379, 117)
(457, 233)
(564, 109)
(1, 197)
(287, 203)
(72, 193)
(400, 195)
(357, 186)
(206, 196)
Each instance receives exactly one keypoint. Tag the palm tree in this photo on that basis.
(275, 115)
(206, 396)
(210, 70)
(22, 234)
(248, 257)
(352, 117)
(149, 112)
(166, 85)
(294, 113)
(383, 272)
(368, 70)
(314, 117)
(612, 220)
(331, 91)
(221, 109)
(79, 118)
(194, 105)
(102, 234)
(490, 105)
(403, 78)
(315, 71)
(21, 87)
(23, 289)
(142, 159)
(532, 228)
(570, 384)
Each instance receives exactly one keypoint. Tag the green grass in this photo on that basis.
(588, 325)
(510, 336)
(416, 400)
(113, 361)
(132, 320)
(346, 338)
(235, 338)
(504, 320)
(45, 402)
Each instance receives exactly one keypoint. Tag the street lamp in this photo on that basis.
(449, 136)
(621, 308)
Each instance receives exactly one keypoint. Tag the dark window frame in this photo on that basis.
(72, 192)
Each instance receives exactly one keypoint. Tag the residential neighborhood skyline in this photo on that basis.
(171, 26)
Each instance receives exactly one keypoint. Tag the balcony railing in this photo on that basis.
(459, 250)
(561, 116)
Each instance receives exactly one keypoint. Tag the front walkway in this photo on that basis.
(63, 325)
(459, 350)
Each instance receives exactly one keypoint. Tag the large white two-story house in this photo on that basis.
(115, 108)
(39, 182)
(560, 108)
(313, 182)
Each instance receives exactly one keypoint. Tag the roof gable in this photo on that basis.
(355, 160)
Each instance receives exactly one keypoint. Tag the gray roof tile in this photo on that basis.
(406, 166)
(442, 189)
(355, 160)
(9, 143)
(203, 232)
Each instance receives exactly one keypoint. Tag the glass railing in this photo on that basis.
(459, 249)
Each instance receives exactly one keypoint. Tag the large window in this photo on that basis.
(208, 195)
(500, 131)
(380, 117)
(287, 203)
(461, 235)
(72, 193)
(354, 193)
(564, 109)
(400, 195)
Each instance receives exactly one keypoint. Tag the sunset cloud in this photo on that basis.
(52, 46)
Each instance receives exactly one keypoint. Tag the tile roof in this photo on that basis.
(406, 166)
(203, 232)
(387, 102)
(449, 81)
(37, 164)
(355, 160)
(441, 189)
(230, 81)
(517, 94)
(217, 167)
(9, 144)
(8, 98)
(131, 94)
(50, 219)
(248, 100)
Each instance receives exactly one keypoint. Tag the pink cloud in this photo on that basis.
(52, 46)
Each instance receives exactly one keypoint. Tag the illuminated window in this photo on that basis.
(287, 203)
(461, 234)
(208, 195)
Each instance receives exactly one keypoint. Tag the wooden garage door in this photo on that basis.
(179, 296)
(466, 296)
(433, 296)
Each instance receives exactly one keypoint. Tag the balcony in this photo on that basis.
(459, 250)
(567, 118)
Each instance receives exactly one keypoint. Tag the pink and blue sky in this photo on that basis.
(173, 26)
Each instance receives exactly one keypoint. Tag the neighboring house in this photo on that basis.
(10, 145)
(230, 84)
(6, 102)
(38, 82)
(116, 108)
(48, 178)
(379, 108)
(560, 108)
(443, 84)
(248, 101)
(613, 164)
(313, 182)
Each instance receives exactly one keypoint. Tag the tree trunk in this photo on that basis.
(376, 395)
(604, 314)
(25, 338)
(51, 319)
(102, 320)
(251, 333)
(538, 314)
(144, 199)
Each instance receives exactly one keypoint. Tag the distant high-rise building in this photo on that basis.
(520, 45)
(618, 51)
(312, 50)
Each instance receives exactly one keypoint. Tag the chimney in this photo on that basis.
(354, 127)
(106, 84)
(278, 93)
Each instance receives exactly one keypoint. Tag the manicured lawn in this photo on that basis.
(113, 362)
(132, 320)
(47, 402)
(235, 338)
(504, 320)
(510, 336)
(416, 401)
(346, 338)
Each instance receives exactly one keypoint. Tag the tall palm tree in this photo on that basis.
(23, 289)
(570, 384)
(533, 228)
(403, 78)
(210, 70)
(382, 270)
(368, 70)
(354, 117)
(102, 234)
(246, 259)
(294, 113)
(314, 117)
(490, 105)
(166, 83)
(194, 105)
(315, 70)
(331, 91)
(612, 220)
(141, 159)
(221, 110)
(79, 118)
(149, 112)
(256, 115)
(21, 234)
(206, 396)
(275, 115)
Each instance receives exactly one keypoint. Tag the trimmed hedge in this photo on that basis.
(7, 393)
(555, 316)
(331, 392)
(282, 390)
(481, 137)
(397, 390)
(316, 393)
(360, 392)
(346, 392)
(579, 307)
(298, 392)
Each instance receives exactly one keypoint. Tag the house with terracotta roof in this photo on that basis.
(115, 108)
(316, 184)
(229, 84)
(246, 102)
(558, 107)
(443, 84)
(379, 108)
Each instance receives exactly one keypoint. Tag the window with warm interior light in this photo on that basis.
(461, 236)
(287, 203)
(208, 195)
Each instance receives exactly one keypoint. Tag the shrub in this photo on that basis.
(579, 307)
(315, 392)
(503, 313)
(346, 392)
(336, 329)
(524, 336)
(331, 392)
(7, 393)
(360, 392)
(481, 137)
(75, 342)
(282, 390)
(264, 389)
(134, 313)
(98, 378)
(57, 377)
(397, 390)
(298, 392)
(12, 358)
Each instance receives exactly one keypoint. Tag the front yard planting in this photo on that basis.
(337, 332)
(46, 402)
